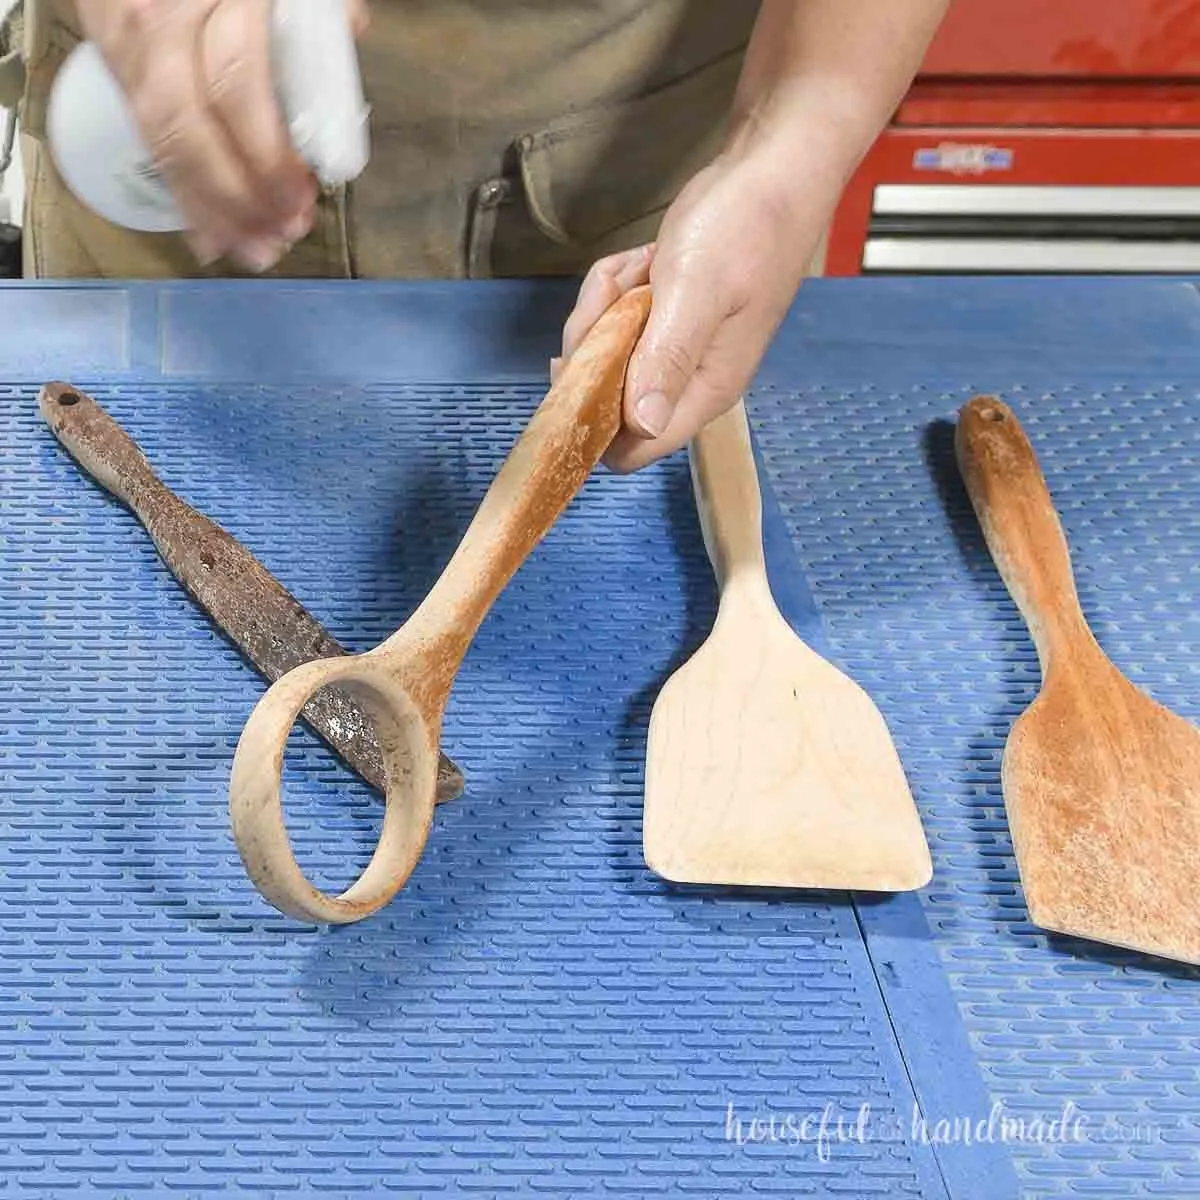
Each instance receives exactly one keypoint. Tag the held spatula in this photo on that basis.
(404, 683)
(1101, 783)
(766, 765)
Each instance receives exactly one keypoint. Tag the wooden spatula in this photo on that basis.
(1101, 783)
(766, 766)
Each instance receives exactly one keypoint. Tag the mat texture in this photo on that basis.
(859, 452)
(536, 1014)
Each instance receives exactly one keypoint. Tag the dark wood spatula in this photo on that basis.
(1101, 783)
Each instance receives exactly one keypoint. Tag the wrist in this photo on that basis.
(799, 150)
(808, 126)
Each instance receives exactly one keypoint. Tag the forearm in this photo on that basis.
(822, 78)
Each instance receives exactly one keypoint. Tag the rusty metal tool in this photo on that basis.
(250, 606)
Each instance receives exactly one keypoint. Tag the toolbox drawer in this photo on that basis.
(1092, 39)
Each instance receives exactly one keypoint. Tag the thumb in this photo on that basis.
(684, 318)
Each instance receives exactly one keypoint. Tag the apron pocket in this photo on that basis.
(599, 180)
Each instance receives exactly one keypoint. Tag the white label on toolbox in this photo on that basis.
(963, 158)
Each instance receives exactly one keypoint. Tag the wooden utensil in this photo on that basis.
(247, 603)
(767, 766)
(1100, 782)
(405, 681)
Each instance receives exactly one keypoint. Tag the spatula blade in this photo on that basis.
(1102, 790)
(768, 767)
(1101, 783)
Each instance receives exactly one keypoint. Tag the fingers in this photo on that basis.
(206, 178)
(275, 202)
(687, 312)
(690, 364)
(360, 17)
(237, 55)
(726, 369)
(607, 281)
(200, 84)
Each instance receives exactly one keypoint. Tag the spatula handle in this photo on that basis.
(561, 444)
(1018, 519)
(729, 500)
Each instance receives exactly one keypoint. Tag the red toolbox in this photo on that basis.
(1039, 137)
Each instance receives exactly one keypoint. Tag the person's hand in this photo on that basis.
(819, 82)
(198, 77)
(730, 255)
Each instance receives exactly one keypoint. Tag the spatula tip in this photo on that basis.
(1186, 951)
(908, 870)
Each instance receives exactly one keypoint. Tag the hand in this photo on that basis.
(731, 253)
(198, 77)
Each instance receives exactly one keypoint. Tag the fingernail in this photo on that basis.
(297, 228)
(204, 249)
(555, 367)
(259, 256)
(653, 412)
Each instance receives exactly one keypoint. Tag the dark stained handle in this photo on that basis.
(250, 606)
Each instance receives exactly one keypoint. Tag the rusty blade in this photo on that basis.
(250, 606)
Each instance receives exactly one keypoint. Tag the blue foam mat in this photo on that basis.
(1105, 378)
(918, 614)
(536, 1013)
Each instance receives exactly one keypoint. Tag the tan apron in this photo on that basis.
(516, 137)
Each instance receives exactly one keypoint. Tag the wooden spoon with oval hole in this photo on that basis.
(405, 681)
(1101, 783)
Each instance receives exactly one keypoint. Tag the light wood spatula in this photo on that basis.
(766, 766)
(1101, 784)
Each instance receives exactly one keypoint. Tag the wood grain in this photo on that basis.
(1101, 783)
(405, 681)
(766, 766)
